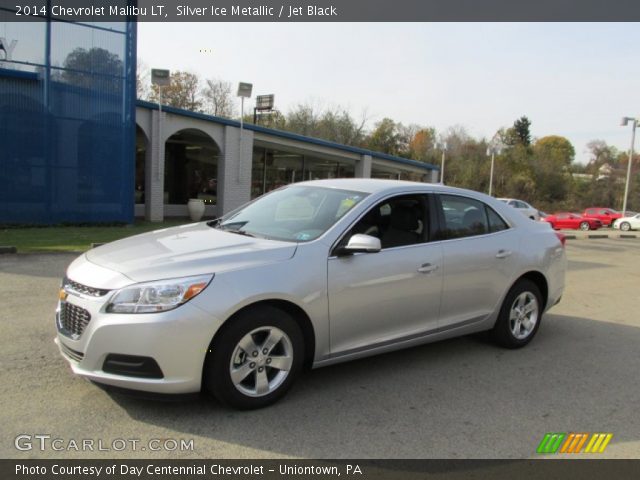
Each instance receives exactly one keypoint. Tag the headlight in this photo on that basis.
(158, 296)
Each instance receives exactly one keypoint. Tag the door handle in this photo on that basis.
(427, 268)
(503, 253)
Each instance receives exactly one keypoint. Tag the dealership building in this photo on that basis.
(78, 147)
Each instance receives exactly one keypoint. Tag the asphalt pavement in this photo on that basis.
(462, 398)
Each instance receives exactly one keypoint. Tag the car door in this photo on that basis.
(605, 217)
(563, 220)
(391, 295)
(480, 251)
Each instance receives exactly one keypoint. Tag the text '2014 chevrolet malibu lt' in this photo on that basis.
(311, 274)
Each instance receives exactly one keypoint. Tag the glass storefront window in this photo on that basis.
(272, 169)
(282, 168)
(377, 172)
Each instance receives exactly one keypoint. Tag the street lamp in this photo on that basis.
(443, 146)
(244, 91)
(634, 123)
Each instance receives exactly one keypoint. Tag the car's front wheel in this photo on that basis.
(520, 315)
(584, 226)
(625, 226)
(255, 359)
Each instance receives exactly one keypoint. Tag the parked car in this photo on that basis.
(523, 207)
(575, 221)
(312, 274)
(627, 223)
(605, 215)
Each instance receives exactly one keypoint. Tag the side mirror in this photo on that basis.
(360, 243)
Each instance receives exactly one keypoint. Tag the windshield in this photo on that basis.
(295, 213)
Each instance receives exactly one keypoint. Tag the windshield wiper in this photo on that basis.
(240, 232)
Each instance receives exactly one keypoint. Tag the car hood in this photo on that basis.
(193, 249)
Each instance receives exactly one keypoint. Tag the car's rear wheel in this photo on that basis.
(626, 226)
(520, 315)
(255, 359)
(584, 226)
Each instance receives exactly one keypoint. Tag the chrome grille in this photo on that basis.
(83, 289)
(70, 353)
(73, 319)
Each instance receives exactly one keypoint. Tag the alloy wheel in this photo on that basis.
(523, 315)
(261, 361)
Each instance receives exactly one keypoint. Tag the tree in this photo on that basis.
(337, 125)
(601, 153)
(552, 158)
(95, 68)
(519, 134)
(555, 151)
(422, 145)
(218, 98)
(302, 119)
(385, 137)
(183, 92)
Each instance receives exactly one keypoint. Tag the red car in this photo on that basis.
(573, 221)
(605, 215)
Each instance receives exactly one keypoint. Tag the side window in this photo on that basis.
(463, 217)
(496, 223)
(398, 221)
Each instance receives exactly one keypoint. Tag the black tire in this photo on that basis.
(625, 226)
(217, 374)
(584, 226)
(502, 332)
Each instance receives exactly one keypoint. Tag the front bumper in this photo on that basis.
(176, 340)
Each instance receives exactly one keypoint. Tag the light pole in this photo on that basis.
(493, 150)
(160, 78)
(443, 145)
(244, 91)
(634, 124)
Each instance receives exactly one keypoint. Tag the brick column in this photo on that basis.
(154, 172)
(234, 170)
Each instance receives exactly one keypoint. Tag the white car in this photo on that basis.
(311, 274)
(627, 223)
(523, 207)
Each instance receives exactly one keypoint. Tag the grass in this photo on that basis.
(73, 238)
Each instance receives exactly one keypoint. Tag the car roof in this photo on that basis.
(376, 185)
(379, 187)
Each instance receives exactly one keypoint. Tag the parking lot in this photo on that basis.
(463, 398)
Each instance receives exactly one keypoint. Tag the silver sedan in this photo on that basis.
(312, 274)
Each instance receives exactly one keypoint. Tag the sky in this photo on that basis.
(570, 79)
